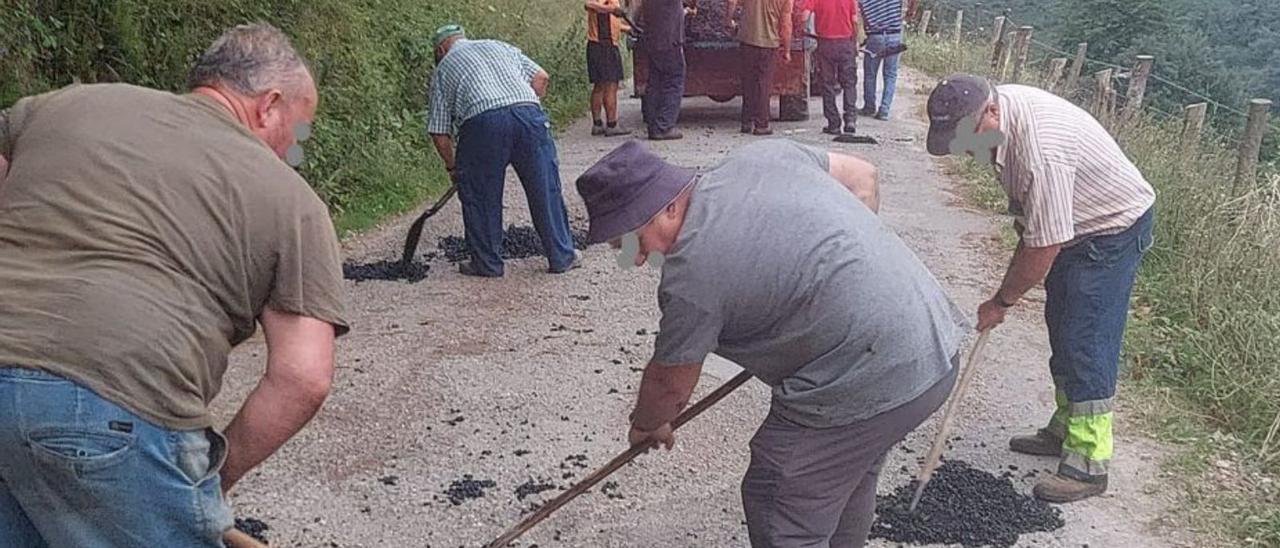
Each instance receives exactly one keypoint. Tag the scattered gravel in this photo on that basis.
(532, 487)
(467, 488)
(517, 243)
(963, 505)
(254, 528)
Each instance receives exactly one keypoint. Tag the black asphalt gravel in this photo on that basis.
(963, 505)
(467, 488)
(254, 528)
(385, 270)
(518, 242)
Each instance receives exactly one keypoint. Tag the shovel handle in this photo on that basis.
(613, 465)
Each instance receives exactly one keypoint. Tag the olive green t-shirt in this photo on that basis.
(761, 20)
(141, 235)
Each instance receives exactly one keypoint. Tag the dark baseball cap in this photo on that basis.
(627, 188)
(954, 98)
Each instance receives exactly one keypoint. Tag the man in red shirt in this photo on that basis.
(837, 59)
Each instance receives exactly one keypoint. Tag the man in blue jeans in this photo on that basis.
(1084, 216)
(882, 22)
(487, 93)
(143, 234)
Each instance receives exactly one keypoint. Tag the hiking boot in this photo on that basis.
(597, 130)
(616, 131)
(469, 269)
(867, 111)
(832, 129)
(1059, 488)
(762, 131)
(1041, 443)
(576, 263)
(668, 135)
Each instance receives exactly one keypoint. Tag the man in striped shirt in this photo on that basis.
(1084, 216)
(882, 22)
(486, 93)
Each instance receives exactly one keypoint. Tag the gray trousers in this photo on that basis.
(838, 70)
(816, 487)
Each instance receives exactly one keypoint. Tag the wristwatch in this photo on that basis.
(1000, 301)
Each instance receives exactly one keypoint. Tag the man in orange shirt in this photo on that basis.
(604, 64)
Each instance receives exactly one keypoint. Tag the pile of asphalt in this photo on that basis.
(963, 505)
(385, 270)
(467, 488)
(254, 528)
(708, 24)
(518, 242)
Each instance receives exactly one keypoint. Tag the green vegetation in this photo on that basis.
(372, 58)
(1203, 346)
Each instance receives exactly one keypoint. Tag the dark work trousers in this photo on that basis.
(519, 136)
(757, 82)
(816, 487)
(660, 104)
(838, 66)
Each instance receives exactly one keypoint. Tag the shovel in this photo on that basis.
(617, 462)
(415, 230)
(235, 538)
(944, 429)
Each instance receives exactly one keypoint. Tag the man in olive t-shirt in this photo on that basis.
(142, 236)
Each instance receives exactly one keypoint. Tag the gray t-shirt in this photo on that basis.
(781, 269)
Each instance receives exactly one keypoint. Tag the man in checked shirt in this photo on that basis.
(1084, 217)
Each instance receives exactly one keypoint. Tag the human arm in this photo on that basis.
(664, 392)
(539, 83)
(444, 146)
(4, 169)
(600, 7)
(297, 381)
(1028, 267)
(857, 175)
(731, 9)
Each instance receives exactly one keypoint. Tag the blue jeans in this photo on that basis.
(519, 136)
(871, 72)
(79, 471)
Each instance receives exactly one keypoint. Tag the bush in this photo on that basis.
(372, 58)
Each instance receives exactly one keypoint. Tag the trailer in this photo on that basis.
(712, 64)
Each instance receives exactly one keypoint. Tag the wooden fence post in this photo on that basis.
(1192, 128)
(1022, 45)
(924, 21)
(1102, 96)
(1077, 66)
(1056, 68)
(959, 32)
(1247, 168)
(997, 42)
(1137, 87)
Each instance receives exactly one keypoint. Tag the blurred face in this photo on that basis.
(653, 241)
(282, 116)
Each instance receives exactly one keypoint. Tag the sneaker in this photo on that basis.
(573, 265)
(1041, 443)
(669, 135)
(1059, 488)
(468, 269)
(616, 131)
(761, 131)
(882, 116)
(597, 130)
(831, 130)
(867, 111)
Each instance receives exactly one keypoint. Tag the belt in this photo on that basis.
(883, 32)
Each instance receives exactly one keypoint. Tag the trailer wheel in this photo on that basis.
(722, 98)
(793, 108)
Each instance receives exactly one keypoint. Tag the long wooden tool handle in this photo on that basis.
(617, 462)
(235, 538)
(944, 429)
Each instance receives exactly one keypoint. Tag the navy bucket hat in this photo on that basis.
(627, 188)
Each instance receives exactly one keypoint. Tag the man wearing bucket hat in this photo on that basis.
(1084, 217)
(775, 259)
(486, 93)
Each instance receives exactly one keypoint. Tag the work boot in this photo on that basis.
(1041, 443)
(850, 128)
(746, 128)
(576, 263)
(616, 131)
(832, 129)
(1059, 488)
(867, 111)
(470, 269)
(762, 131)
(668, 135)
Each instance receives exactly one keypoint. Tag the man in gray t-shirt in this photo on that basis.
(775, 259)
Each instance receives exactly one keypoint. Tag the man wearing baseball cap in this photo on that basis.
(486, 93)
(1084, 218)
(776, 260)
